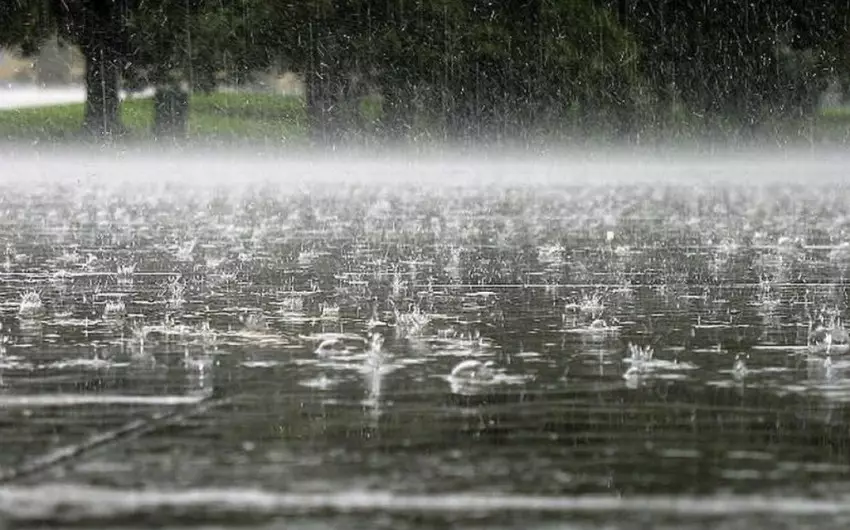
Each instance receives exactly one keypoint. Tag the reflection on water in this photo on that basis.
(263, 349)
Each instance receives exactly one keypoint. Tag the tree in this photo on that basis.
(26, 24)
(502, 70)
(463, 69)
(96, 26)
(736, 58)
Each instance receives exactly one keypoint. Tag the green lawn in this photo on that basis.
(275, 119)
(224, 116)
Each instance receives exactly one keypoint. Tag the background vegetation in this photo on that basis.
(459, 70)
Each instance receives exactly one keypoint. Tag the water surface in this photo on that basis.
(174, 371)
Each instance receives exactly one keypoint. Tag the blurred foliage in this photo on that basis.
(26, 24)
(474, 69)
(739, 58)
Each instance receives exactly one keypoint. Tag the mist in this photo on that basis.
(222, 166)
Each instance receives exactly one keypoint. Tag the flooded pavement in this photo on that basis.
(266, 343)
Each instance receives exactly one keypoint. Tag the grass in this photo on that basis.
(275, 119)
(55, 123)
(222, 116)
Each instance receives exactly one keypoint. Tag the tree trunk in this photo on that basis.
(103, 72)
(624, 110)
(325, 91)
(171, 112)
(399, 113)
(318, 107)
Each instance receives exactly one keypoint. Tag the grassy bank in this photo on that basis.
(281, 120)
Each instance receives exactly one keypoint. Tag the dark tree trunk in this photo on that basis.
(319, 107)
(326, 92)
(459, 118)
(399, 113)
(171, 112)
(102, 86)
(99, 27)
(624, 110)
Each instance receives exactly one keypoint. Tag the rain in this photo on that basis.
(424, 263)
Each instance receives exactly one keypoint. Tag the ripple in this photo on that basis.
(72, 502)
(72, 400)
(260, 364)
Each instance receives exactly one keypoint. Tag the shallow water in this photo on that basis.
(206, 396)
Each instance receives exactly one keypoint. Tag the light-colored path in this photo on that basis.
(19, 97)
